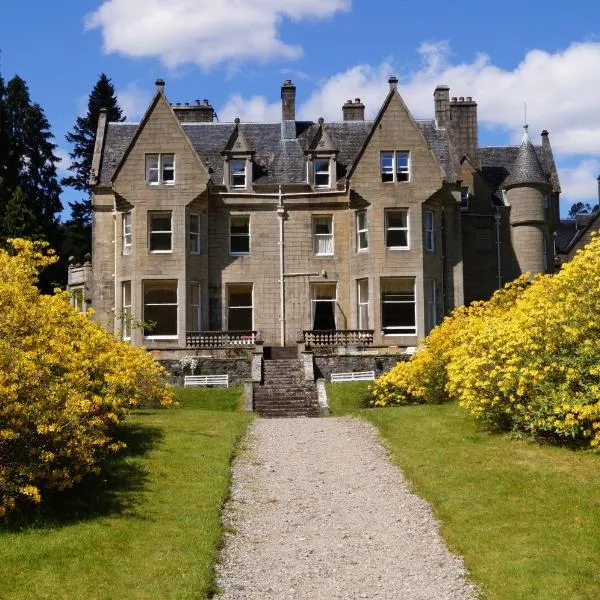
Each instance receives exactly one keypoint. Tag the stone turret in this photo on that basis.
(527, 192)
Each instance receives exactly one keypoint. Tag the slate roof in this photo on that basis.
(497, 164)
(276, 160)
(565, 234)
(526, 168)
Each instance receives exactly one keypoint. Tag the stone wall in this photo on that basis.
(326, 365)
(238, 369)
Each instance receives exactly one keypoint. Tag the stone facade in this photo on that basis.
(195, 222)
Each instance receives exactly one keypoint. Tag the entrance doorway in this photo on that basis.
(323, 302)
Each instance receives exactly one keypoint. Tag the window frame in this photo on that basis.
(239, 235)
(230, 286)
(151, 214)
(127, 224)
(387, 228)
(431, 303)
(465, 197)
(160, 168)
(317, 236)
(194, 236)
(362, 303)
(428, 230)
(232, 174)
(395, 172)
(398, 330)
(194, 309)
(126, 310)
(364, 230)
(332, 299)
(321, 172)
(174, 282)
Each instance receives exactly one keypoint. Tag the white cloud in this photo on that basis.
(560, 91)
(204, 32)
(133, 100)
(63, 166)
(579, 183)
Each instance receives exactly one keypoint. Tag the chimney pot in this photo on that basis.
(454, 99)
(160, 85)
(357, 100)
(461, 99)
(393, 81)
(469, 99)
(348, 101)
(545, 132)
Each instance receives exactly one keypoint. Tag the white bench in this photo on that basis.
(357, 376)
(192, 380)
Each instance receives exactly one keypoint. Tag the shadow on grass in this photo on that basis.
(116, 490)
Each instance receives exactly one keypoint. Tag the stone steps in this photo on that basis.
(284, 391)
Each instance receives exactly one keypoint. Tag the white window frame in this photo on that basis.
(321, 236)
(152, 336)
(126, 310)
(364, 230)
(233, 174)
(397, 330)
(395, 173)
(229, 306)
(239, 235)
(431, 303)
(429, 230)
(127, 233)
(362, 303)
(154, 213)
(322, 172)
(390, 211)
(195, 309)
(194, 235)
(159, 168)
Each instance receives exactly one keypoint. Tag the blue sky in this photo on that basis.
(236, 53)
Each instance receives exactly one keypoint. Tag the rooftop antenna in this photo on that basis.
(525, 126)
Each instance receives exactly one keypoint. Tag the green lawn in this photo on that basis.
(150, 527)
(526, 518)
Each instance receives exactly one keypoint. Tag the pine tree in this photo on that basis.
(28, 162)
(83, 137)
(18, 219)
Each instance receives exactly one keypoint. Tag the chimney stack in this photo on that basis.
(353, 111)
(160, 85)
(288, 101)
(393, 81)
(199, 112)
(463, 127)
(441, 100)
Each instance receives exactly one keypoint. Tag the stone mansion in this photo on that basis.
(347, 233)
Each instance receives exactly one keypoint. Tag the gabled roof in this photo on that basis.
(237, 141)
(322, 142)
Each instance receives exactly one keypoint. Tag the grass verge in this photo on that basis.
(149, 528)
(524, 517)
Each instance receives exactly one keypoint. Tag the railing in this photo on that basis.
(219, 339)
(338, 337)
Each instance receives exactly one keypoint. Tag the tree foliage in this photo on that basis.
(527, 361)
(65, 383)
(83, 137)
(29, 190)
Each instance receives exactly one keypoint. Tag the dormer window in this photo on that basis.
(160, 169)
(322, 172)
(237, 170)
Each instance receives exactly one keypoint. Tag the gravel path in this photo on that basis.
(318, 511)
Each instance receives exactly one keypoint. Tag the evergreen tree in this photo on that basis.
(83, 137)
(18, 219)
(27, 164)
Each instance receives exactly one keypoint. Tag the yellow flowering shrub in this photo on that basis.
(528, 360)
(65, 382)
(423, 379)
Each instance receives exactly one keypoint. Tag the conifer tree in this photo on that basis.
(83, 137)
(27, 163)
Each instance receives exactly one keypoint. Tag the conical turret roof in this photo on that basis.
(527, 168)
